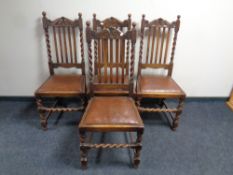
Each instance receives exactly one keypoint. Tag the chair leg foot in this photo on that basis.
(136, 160)
(83, 160)
(43, 120)
(83, 163)
(175, 123)
(83, 151)
(136, 163)
(43, 125)
(42, 113)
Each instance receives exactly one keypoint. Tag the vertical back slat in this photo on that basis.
(111, 59)
(55, 43)
(105, 57)
(153, 42)
(60, 42)
(161, 46)
(98, 61)
(157, 43)
(122, 59)
(70, 45)
(65, 46)
(167, 45)
(117, 59)
(74, 43)
(148, 45)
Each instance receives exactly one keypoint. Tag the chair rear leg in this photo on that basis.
(178, 113)
(138, 101)
(84, 101)
(161, 102)
(136, 160)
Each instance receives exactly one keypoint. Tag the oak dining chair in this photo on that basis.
(157, 48)
(65, 49)
(113, 110)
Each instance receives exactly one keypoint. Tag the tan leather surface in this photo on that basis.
(111, 111)
(158, 84)
(62, 85)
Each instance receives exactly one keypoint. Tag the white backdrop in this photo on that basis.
(203, 58)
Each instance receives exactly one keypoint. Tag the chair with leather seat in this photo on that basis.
(123, 26)
(63, 52)
(111, 111)
(157, 48)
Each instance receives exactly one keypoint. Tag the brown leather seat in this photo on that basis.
(111, 113)
(158, 85)
(62, 85)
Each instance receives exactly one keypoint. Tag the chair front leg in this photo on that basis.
(83, 150)
(178, 113)
(136, 160)
(42, 113)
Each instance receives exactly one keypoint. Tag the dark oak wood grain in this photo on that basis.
(60, 87)
(108, 78)
(159, 38)
(111, 54)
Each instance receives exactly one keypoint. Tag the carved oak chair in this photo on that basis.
(110, 113)
(64, 33)
(123, 26)
(157, 54)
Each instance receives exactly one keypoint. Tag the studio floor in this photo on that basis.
(202, 144)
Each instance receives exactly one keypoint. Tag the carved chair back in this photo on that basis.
(158, 51)
(112, 22)
(64, 39)
(110, 69)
